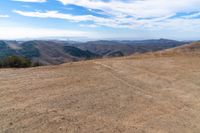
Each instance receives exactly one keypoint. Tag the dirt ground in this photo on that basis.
(122, 95)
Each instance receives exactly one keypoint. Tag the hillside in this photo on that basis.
(5, 50)
(142, 94)
(57, 52)
(192, 49)
(45, 52)
(109, 48)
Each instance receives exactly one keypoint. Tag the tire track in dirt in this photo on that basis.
(179, 105)
(140, 91)
(115, 75)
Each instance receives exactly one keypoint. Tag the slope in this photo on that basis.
(128, 94)
(45, 52)
(110, 48)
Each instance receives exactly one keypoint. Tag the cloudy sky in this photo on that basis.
(100, 19)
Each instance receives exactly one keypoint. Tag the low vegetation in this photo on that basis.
(15, 62)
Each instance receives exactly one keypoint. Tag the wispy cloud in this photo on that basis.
(56, 14)
(39, 1)
(4, 16)
(117, 22)
(138, 8)
(88, 25)
(143, 13)
(151, 14)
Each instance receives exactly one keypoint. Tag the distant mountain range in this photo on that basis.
(57, 52)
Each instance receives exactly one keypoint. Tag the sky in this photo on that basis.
(100, 19)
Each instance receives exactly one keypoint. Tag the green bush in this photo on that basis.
(15, 62)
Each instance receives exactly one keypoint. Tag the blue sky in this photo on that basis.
(100, 19)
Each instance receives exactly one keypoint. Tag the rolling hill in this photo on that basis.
(57, 52)
(192, 49)
(45, 52)
(106, 48)
(149, 93)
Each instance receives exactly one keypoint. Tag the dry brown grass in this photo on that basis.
(158, 94)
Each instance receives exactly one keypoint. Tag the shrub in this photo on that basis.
(15, 62)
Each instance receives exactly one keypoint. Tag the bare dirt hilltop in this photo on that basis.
(151, 93)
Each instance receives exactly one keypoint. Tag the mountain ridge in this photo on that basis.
(56, 52)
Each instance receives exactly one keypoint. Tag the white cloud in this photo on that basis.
(117, 22)
(39, 1)
(4, 16)
(135, 14)
(138, 8)
(56, 14)
(88, 25)
(143, 13)
(23, 32)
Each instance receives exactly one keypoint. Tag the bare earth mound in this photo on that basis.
(158, 94)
